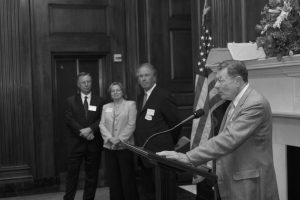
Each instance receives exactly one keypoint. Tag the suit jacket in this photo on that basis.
(158, 114)
(243, 152)
(121, 124)
(76, 120)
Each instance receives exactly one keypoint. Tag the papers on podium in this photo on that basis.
(245, 51)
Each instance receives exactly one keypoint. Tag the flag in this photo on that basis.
(206, 96)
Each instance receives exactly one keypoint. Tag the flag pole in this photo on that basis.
(214, 161)
(206, 8)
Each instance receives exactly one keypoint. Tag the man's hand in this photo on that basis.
(173, 155)
(85, 132)
(90, 136)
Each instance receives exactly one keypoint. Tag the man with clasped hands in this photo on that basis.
(83, 115)
(243, 147)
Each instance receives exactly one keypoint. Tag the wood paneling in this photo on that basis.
(179, 8)
(77, 19)
(16, 129)
(181, 66)
(226, 22)
(132, 47)
(253, 17)
(166, 42)
(234, 20)
(76, 27)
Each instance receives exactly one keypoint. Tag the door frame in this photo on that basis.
(106, 79)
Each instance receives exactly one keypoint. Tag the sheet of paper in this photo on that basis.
(190, 188)
(245, 51)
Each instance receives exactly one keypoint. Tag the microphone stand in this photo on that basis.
(156, 134)
(196, 114)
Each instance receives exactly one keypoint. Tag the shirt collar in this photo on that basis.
(239, 96)
(88, 95)
(150, 91)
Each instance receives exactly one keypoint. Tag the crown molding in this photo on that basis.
(288, 66)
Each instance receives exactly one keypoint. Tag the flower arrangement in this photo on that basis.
(279, 29)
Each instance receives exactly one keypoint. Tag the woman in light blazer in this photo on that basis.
(117, 124)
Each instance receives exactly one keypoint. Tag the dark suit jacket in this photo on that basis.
(158, 114)
(76, 120)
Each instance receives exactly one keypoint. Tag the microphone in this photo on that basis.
(196, 114)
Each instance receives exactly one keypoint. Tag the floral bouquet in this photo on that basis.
(279, 29)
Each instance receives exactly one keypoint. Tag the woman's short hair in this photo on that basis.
(121, 87)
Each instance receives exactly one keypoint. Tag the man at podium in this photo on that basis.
(243, 148)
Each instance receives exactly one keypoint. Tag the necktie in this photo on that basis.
(86, 106)
(145, 99)
(229, 115)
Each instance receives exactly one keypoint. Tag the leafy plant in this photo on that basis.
(279, 28)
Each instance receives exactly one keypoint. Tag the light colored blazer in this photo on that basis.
(121, 124)
(243, 152)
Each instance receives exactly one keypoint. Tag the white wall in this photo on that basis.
(279, 82)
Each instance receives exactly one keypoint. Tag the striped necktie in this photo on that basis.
(145, 99)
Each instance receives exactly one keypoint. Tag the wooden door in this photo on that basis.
(66, 68)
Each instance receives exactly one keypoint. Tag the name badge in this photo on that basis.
(92, 108)
(150, 112)
(108, 110)
(148, 117)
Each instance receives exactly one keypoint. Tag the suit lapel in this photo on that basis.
(242, 101)
(237, 108)
(79, 103)
(93, 100)
(150, 98)
(139, 103)
(225, 117)
(148, 102)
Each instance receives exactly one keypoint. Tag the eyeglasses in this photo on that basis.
(222, 81)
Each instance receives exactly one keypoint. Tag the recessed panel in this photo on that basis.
(181, 55)
(77, 19)
(180, 7)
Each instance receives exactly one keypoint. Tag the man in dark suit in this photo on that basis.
(156, 112)
(82, 117)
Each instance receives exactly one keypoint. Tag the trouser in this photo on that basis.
(121, 174)
(92, 161)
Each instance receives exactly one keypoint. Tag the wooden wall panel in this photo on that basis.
(181, 66)
(253, 16)
(226, 22)
(77, 19)
(101, 30)
(233, 20)
(132, 46)
(179, 8)
(16, 132)
(166, 42)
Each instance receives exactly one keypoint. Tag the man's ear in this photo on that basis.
(240, 79)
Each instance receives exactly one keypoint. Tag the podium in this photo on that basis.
(162, 164)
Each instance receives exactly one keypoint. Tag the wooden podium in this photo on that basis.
(161, 165)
